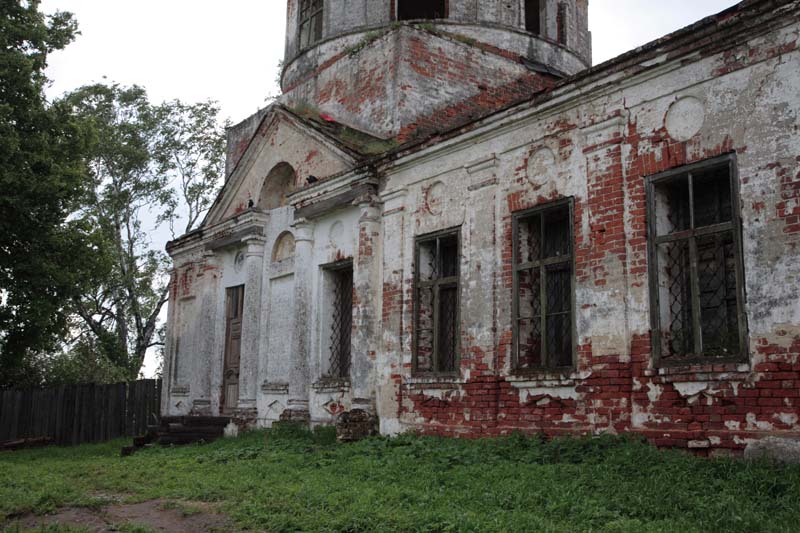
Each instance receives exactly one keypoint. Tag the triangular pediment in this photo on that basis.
(281, 140)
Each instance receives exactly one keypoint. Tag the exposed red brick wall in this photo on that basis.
(622, 392)
(788, 208)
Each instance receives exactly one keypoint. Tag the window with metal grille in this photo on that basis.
(436, 323)
(421, 9)
(340, 278)
(310, 22)
(543, 293)
(696, 272)
(533, 19)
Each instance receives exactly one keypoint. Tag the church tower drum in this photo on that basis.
(389, 67)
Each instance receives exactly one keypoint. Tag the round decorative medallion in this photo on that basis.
(435, 198)
(541, 165)
(238, 262)
(685, 118)
(337, 230)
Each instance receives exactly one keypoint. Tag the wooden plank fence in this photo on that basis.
(78, 414)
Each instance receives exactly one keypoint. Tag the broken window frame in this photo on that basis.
(340, 350)
(444, 16)
(437, 284)
(542, 265)
(691, 236)
(310, 18)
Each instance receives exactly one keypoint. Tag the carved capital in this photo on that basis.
(303, 230)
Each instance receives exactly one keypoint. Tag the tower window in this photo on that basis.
(421, 9)
(533, 19)
(310, 22)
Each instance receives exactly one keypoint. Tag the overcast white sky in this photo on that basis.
(229, 50)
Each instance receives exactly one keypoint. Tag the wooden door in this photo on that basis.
(233, 348)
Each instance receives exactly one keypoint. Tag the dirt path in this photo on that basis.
(155, 515)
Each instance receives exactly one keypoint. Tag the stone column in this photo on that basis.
(367, 284)
(248, 364)
(299, 379)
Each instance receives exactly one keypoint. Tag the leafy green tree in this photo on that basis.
(154, 168)
(46, 258)
(190, 152)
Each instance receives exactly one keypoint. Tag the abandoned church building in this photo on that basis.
(452, 223)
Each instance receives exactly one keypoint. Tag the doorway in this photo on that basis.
(234, 306)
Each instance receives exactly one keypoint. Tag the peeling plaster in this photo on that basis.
(691, 388)
(562, 393)
(593, 139)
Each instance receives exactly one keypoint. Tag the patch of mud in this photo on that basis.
(83, 519)
(154, 515)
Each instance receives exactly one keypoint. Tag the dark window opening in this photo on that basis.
(543, 268)
(234, 303)
(561, 22)
(436, 303)
(533, 17)
(310, 22)
(341, 279)
(696, 272)
(421, 9)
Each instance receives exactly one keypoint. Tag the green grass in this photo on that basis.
(289, 480)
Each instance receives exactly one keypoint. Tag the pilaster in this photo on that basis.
(299, 380)
(367, 287)
(251, 317)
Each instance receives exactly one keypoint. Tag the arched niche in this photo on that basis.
(284, 247)
(279, 183)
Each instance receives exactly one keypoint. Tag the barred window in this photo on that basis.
(436, 318)
(543, 288)
(696, 274)
(310, 22)
(339, 281)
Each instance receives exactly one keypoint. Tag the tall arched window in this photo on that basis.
(421, 9)
(310, 22)
(279, 183)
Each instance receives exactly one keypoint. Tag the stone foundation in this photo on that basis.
(355, 425)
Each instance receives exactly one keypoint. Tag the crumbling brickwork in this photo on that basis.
(456, 129)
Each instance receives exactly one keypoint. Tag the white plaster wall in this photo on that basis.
(537, 156)
(335, 239)
(755, 109)
(277, 326)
